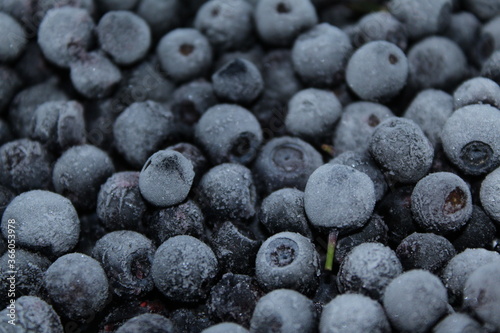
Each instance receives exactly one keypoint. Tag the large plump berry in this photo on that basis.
(478, 90)
(490, 195)
(457, 322)
(13, 40)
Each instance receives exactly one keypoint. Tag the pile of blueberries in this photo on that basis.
(231, 166)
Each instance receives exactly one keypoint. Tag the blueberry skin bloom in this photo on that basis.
(183, 268)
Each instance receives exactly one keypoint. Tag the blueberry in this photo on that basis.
(195, 155)
(415, 301)
(32, 315)
(356, 126)
(377, 71)
(233, 298)
(45, 221)
(464, 30)
(13, 39)
(77, 285)
(30, 267)
(490, 194)
(184, 268)
(478, 90)
(43, 6)
(108, 5)
(166, 178)
(183, 219)
(425, 251)
(430, 109)
(147, 322)
(125, 36)
(320, 55)
(441, 202)
(255, 55)
(288, 260)
(352, 313)
(406, 138)
(225, 328)
(283, 210)
(491, 67)
(458, 322)
(436, 62)
(25, 165)
(64, 33)
(229, 133)
(21, 10)
(484, 10)
(279, 22)
(141, 130)
(482, 294)
(93, 75)
(184, 54)
(285, 162)
(479, 231)
(312, 114)
(119, 202)
(191, 320)
(380, 26)
(59, 124)
(470, 139)
(161, 15)
(228, 24)
(9, 84)
(422, 17)
(460, 267)
(79, 173)
(126, 257)
(227, 192)
(284, 310)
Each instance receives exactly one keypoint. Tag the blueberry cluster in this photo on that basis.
(232, 166)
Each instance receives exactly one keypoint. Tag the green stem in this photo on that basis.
(330, 250)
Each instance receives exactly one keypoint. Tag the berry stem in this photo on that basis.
(330, 250)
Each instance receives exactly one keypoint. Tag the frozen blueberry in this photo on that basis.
(233, 298)
(441, 202)
(228, 24)
(79, 173)
(32, 314)
(64, 33)
(23, 106)
(125, 36)
(43, 6)
(184, 268)
(255, 55)
(478, 90)
(284, 310)
(491, 67)
(147, 322)
(183, 219)
(225, 328)
(238, 81)
(320, 55)
(93, 75)
(141, 130)
(227, 192)
(458, 322)
(44, 221)
(229, 133)
(490, 194)
(13, 39)
(283, 210)
(184, 54)
(436, 62)
(119, 202)
(285, 162)
(312, 113)
(364, 163)
(471, 139)
(422, 17)
(460, 267)
(377, 71)
(6, 196)
(166, 178)
(479, 231)
(109, 5)
(161, 15)
(380, 26)
(126, 257)
(482, 294)
(353, 313)
(288, 260)
(77, 285)
(425, 251)
(9, 84)
(430, 109)
(396, 137)
(485, 9)
(464, 30)
(25, 165)
(29, 270)
(368, 269)
(279, 22)
(59, 124)
(415, 301)
(235, 248)
(21, 10)
(195, 155)
(356, 126)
